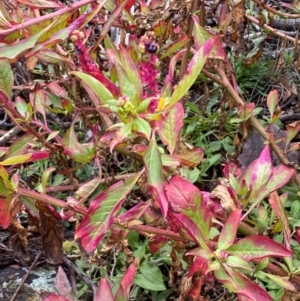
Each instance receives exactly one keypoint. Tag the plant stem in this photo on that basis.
(68, 8)
(188, 44)
(254, 122)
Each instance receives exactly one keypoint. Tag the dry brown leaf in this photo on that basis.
(226, 201)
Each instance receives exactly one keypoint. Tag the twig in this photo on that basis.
(274, 31)
(73, 281)
(277, 12)
(9, 135)
(46, 17)
(102, 181)
(254, 122)
(188, 44)
(25, 277)
(85, 278)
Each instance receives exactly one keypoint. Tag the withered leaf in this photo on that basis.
(52, 233)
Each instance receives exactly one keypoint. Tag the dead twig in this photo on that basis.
(25, 276)
(86, 279)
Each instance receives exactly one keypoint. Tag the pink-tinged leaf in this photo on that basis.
(277, 205)
(292, 130)
(121, 135)
(62, 284)
(170, 160)
(135, 212)
(6, 77)
(169, 127)
(255, 247)
(41, 3)
(122, 293)
(175, 46)
(157, 182)
(12, 53)
(104, 292)
(38, 102)
(228, 233)
(281, 281)
(50, 57)
(20, 146)
(54, 297)
(193, 70)
(262, 170)
(131, 70)
(4, 213)
(85, 190)
(157, 242)
(127, 88)
(246, 111)
(202, 35)
(181, 221)
(247, 288)
(29, 157)
(188, 204)
(101, 213)
(281, 175)
(99, 88)
(272, 101)
(191, 157)
(199, 266)
(79, 152)
(168, 81)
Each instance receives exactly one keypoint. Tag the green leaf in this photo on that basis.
(255, 247)
(169, 127)
(229, 231)
(6, 77)
(153, 164)
(281, 281)
(141, 127)
(101, 212)
(79, 152)
(194, 68)
(97, 87)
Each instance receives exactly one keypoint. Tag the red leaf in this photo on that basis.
(126, 281)
(104, 292)
(229, 230)
(4, 213)
(101, 213)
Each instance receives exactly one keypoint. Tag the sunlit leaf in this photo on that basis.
(255, 247)
(170, 126)
(155, 176)
(141, 127)
(101, 212)
(29, 157)
(6, 77)
(229, 231)
(194, 68)
(131, 71)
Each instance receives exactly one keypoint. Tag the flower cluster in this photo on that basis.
(149, 65)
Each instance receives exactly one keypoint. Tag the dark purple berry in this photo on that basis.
(152, 47)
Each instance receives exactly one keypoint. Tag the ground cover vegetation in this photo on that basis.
(151, 147)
